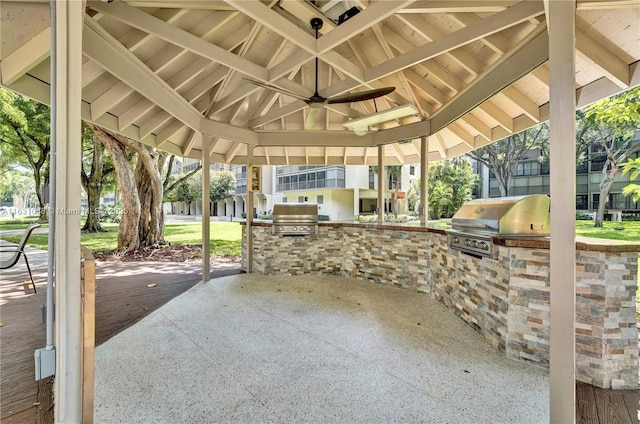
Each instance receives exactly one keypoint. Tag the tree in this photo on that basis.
(94, 173)
(184, 189)
(633, 167)
(502, 157)
(24, 132)
(143, 174)
(15, 182)
(451, 183)
(223, 185)
(142, 188)
(610, 126)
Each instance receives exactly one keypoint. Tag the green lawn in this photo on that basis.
(625, 230)
(225, 237)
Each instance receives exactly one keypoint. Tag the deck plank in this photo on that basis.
(612, 408)
(586, 409)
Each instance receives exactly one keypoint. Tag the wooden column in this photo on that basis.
(88, 333)
(561, 21)
(249, 220)
(206, 205)
(381, 184)
(424, 180)
(68, 311)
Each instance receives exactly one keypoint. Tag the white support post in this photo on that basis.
(381, 184)
(206, 206)
(68, 311)
(249, 221)
(561, 18)
(356, 202)
(424, 180)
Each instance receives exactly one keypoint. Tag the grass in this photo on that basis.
(625, 230)
(225, 237)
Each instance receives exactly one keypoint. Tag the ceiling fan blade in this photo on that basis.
(311, 117)
(361, 96)
(277, 89)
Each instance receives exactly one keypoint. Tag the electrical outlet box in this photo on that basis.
(45, 362)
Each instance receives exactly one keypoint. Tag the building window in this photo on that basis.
(309, 177)
(284, 200)
(300, 199)
(582, 201)
(412, 170)
(320, 200)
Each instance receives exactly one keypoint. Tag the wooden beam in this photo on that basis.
(152, 25)
(465, 6)
(532, 52)
(495, 23)
(102, 48)
(376, 12)
(603, 59)
(314, 138)
(277, 113)
(482, 128)
(27, 57)
(531, 109)
(276, 23)
(440, 146)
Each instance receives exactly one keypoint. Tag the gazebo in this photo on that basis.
(258, 83)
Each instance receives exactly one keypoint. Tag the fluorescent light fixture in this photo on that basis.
(361, 125)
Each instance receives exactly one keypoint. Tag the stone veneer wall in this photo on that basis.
(504, 299)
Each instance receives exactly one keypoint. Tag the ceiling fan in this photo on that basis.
(317, 102)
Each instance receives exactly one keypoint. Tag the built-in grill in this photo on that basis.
(295, 219)
(478, 221)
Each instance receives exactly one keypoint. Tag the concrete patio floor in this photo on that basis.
(253, 348)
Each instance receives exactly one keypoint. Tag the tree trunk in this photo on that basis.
(605, 187)
(92, 223)
(128, 236)
(92, 185)
(42, 210)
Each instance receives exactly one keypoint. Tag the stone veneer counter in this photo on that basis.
(505, 299)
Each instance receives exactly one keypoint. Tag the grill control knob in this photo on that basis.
(484, 246)
(455, 240)
(467, 242)
(475, 244)
(294, 228)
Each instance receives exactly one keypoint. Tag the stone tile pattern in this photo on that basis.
(504, 299)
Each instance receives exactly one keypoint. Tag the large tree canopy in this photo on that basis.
(451, 183)
(502, 157)
(143, 174)
(24, 136)
(607, 133)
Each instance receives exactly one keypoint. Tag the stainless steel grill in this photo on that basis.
(477, 221)
(295, 219)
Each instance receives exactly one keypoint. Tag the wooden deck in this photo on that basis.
(122, 299)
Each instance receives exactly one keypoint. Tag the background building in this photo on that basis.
(533, 177)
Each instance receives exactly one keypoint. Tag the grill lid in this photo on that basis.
(295, 212)
(518, 215)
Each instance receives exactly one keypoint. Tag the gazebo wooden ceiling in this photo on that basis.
(166, 72)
